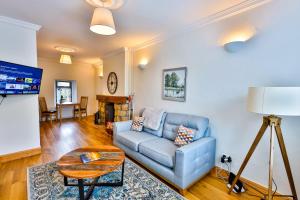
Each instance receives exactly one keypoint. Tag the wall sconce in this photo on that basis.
(234, 46)
(143, 64)
(238, 40)
(99, 69)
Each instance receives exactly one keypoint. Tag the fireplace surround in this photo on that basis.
(113, 108)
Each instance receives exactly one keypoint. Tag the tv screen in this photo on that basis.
(19, 79)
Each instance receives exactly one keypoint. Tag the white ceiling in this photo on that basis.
(66, 22)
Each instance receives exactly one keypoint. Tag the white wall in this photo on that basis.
(113, 63)
(82, 73)
(19, 115)
(217, 82)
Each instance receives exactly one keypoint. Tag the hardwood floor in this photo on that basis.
(57, 140)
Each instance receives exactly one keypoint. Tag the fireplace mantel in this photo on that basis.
(112, 99)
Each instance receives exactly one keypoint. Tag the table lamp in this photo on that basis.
(273, 102)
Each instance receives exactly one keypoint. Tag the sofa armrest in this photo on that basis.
(195, 159)
(119, 127)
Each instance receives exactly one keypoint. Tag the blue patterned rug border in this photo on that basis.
(131, 162)
(153, 176)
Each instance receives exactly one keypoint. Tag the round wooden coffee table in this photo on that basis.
(71, 166)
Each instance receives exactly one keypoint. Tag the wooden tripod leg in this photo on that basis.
(271, 161)
(260, 133)
(286, 160)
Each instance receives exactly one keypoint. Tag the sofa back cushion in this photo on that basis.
(155, 132)
(174, 120)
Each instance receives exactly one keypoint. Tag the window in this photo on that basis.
(63, 91)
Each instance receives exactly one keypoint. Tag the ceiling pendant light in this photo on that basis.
(65, 59)
(103, 22)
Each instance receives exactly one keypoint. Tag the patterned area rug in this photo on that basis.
(45, 182)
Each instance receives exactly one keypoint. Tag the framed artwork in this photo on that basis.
(174, 84)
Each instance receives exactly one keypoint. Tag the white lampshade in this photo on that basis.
(65, 59)
(103, 22)
(274, 100)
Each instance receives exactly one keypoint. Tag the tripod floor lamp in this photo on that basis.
(272, 101)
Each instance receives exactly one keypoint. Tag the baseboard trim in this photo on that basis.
(20, 154)
(247, 182)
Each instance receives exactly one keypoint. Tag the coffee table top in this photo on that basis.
(70, 165)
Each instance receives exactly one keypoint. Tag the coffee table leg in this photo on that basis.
(80, 185)
(116, 184)
(121, 183)
(81, 189)
(91, 188)
(66, 181)
(93, 184)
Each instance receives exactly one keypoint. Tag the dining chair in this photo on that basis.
(81, 108)
(44, 112)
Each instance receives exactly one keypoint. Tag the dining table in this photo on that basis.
(60, 106)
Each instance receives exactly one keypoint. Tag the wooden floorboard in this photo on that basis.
(57, 140)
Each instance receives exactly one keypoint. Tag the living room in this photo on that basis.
(178, 100)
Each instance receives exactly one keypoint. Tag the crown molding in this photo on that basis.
(218, 16)
(115, 52)
(20, 23)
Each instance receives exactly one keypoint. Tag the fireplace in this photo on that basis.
(113, 109)
(109, 112)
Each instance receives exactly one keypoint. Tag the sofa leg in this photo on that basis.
(183, 192)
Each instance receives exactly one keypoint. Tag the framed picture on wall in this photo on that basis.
(174, 84)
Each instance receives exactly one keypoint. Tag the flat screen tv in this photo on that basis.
(19, 79)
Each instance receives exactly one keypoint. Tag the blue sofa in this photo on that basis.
(180, 166)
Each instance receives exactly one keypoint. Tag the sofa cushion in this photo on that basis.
(137, 124)
(174, 120)
(132, 139)
(184, 136)
(160, 150)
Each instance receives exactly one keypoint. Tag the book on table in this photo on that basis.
(90, 157)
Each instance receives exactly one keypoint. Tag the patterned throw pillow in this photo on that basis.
(137, 124)
(184, 136)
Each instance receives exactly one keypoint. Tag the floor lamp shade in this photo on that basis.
(103, 22)
(283, 101)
